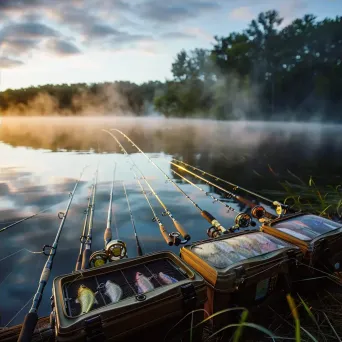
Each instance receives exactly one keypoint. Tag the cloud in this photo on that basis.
(28, 30)
(242, 14)
(69, 27)
(17, 46)
(62, 48)
(177, 35)
(7, 63)
(200, 33)
(166, 12)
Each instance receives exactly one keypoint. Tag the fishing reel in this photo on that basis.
(98, 258)
(176, 240)
(214, 232)
(258, 212)
(116, 250)
(244, 220)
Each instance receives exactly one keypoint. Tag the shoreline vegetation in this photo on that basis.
(269, 71)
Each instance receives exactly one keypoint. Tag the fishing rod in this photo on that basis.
(113, 249)
(108, 231)
(280, 207)
(87, 244)
(163, 231)
(31, 318)
(139, 249)
(180, 229)
(205, 214)
(257, 210)
(26, 218)
(242, 220)
(83, 236)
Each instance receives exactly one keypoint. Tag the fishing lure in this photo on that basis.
(143, 283)
(166, 279)
(113, 291)
(86, 298)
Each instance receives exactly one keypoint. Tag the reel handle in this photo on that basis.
(165, 235)
(181, 230)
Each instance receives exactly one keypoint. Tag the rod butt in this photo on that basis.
(27, 329)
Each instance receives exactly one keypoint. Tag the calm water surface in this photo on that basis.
(40, 160)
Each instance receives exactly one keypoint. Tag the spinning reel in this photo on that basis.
(242, 220)
(115, 250)
(176, 240)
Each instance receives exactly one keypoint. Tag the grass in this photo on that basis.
(315, 319)
(322, 200)
(308, 315)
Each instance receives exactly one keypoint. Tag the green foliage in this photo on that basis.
(254, 74)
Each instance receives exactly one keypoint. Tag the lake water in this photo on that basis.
(41, 158)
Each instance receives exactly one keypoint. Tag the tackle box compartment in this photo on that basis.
(143, 310)
(319, 239)
(243, 269)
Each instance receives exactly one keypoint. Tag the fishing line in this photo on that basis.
(140, 253)
(6, 277)
(108, 231)
(31, 318)
(167, 212)
(83, 236)
(217, 227)
(257, 210)
(88, 241)
(235, 187)
(241, 219)
(26, 218)
(156, 219)
(15, 316)
(23, 249)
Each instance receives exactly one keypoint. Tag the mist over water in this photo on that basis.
(41, 158)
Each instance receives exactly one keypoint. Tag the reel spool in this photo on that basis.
(98, 258)
(243, 220)
(175, 238)
(116, 250)
(213, 232)
(258, 212)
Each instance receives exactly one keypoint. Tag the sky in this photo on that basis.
(71, 41)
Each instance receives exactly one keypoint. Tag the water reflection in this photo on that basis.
(42, 158)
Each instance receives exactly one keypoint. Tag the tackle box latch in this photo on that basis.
(189, 296)
(93, 329)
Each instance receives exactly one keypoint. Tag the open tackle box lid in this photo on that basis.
(229, 259)
(137, 302)
(319, 238)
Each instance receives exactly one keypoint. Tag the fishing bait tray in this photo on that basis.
(250, 269)
(319, 239)
(136, 316)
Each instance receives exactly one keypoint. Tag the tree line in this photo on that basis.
(267, 71)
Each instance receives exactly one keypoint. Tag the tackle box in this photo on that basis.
(150, 296)
(243, 269)
(319, 239)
